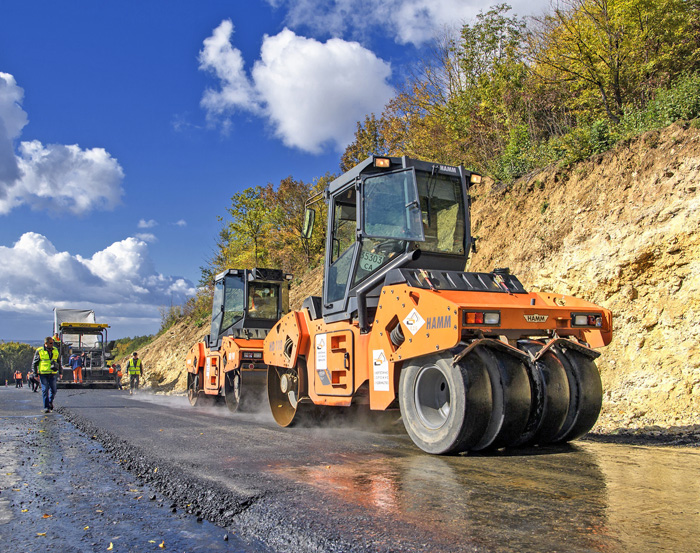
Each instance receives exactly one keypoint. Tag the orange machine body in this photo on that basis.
(234, 353)
(472, 360)
(343, 363)
(246, 304)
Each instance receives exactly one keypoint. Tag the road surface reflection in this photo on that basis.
(583, 497)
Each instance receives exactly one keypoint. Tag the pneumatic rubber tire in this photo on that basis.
(586, 394)
(232, 389)
(193, 388)
(550, 396)
(511, 396)
(445, 407)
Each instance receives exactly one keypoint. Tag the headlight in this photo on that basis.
(492, 318)
(587, 319)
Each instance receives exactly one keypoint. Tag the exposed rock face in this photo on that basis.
(621, 230)
(164, 358)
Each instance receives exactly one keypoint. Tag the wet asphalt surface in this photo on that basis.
(144, 471)
(60, 492)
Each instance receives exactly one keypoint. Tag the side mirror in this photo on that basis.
(309, 218)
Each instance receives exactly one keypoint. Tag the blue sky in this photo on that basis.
(126, 127)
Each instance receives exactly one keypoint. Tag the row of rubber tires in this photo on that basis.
(491, 399)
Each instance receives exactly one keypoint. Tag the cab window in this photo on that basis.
(442, 213)
(263, 300)
(344, 236)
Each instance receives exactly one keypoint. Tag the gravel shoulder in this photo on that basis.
(60, 490)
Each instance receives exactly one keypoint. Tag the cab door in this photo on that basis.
(334, 362)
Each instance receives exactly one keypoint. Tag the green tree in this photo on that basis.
(251, 220)
(14, 356)
(289, 249)
(369, 139)
(464, 100)
(614, 53)
(126, 346)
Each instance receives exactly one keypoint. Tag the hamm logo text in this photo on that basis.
(536, 318)
(439, 322)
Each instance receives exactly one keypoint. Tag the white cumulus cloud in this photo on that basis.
(407, 21)
(119, 280)
(219, 57)
(54, 177)
(308, 90)
(12, 120)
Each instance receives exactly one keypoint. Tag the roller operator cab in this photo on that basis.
(472, 360)
(247, 303)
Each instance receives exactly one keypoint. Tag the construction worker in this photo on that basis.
(33, 380)
(116, 370)
(46, 364)
(76, 363)
(135, 369)
(18, 379)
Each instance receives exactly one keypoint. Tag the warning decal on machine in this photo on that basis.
(321, 360)
(413, 321)
(380, 368)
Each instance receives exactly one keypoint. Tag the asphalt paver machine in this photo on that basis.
(228, 363)
(80, 334)
(473, 361)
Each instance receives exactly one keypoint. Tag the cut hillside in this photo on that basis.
(619, 229)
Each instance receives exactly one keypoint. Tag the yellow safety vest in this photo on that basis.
(45, 360)
(134, 368)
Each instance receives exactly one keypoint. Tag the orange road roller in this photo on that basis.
(247, 303)
(473, 361)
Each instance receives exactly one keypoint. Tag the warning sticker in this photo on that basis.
(414, 321)
(380, 367)
(322, 360)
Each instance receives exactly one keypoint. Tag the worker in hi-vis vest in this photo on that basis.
(76, 363)
(46, 364)
(135, 370)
